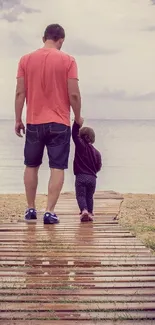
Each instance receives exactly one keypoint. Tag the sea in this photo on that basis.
(128, 158)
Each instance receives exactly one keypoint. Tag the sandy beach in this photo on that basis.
(137, 213)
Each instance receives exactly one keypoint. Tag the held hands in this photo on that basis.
(19, 126)
(79, 121)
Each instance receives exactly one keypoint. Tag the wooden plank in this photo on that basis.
(70, 236)
(77, 269)
(76, 285)
(98, 241)
(71, 252)
(79, 234)
(71, 262)
(109, 226)
(77, 299)
(65, 222)
(72, 278)
(81, 315)
(58, 239)
(105, 250)
(71, 307)
(74, 212)
(75, 217)
(100, 226)
(101, 220)
(133, 245)
(82, 273)
(74, 291)
(74, 254)
(70, 232)
(78, 322)
(84, 269)
(57, 258)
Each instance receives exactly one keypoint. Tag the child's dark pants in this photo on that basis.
(85, 186)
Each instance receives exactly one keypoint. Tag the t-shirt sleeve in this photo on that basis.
(21, 71)
(73, 70)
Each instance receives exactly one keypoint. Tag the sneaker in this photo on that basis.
(30, 215)
(84, 216)
(91, 217)
(50, 218)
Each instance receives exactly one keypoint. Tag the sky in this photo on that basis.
(113, 42)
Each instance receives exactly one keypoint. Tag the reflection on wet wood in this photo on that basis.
(75, 273)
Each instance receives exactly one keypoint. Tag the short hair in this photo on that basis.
(87, 134)
(54, 32)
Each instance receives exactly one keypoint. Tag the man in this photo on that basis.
(48, 80)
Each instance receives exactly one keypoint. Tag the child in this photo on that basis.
(87, 163)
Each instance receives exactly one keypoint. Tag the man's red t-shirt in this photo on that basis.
(46, 73)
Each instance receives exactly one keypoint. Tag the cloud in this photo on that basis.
(121, 95)
(123, 83)
(5, 4)
(12, 9)
(149, 28)
(81, 47)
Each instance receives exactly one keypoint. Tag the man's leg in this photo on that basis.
(31, 182)
(58, 148)
(33, 152)
(54, 188)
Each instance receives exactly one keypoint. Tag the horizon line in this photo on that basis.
(97, 119)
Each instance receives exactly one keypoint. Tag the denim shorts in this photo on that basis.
(55, 137)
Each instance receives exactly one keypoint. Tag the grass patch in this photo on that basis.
(150, 244)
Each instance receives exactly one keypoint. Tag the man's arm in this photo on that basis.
(73, 90)
(19, 100)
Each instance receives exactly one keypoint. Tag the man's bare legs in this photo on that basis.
(54, 188)
(31, 182)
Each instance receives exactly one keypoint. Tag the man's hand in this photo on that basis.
(79, 121)
(19, 126)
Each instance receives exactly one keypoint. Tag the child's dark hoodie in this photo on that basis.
(87, 159)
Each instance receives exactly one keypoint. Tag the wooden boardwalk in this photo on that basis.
(75, 273)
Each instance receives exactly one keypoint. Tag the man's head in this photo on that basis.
(87, 134)
(54, 33)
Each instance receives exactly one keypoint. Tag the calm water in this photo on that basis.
(127, 149)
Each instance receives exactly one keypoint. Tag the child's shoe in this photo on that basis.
(86, 217)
